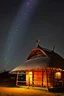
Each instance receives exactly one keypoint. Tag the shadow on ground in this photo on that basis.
(57, 90)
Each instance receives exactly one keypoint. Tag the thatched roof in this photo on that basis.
(41, 58)
(31, 64)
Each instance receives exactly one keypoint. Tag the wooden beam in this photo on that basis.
(53, 76)
(46, 77)
(42, 78)
(32, 78)
(17, 79)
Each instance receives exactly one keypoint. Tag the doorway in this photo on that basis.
(29, 78)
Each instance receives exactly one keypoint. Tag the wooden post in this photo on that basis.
(47, 77)
(32, 78)
(42, 78)
(53, 76)
(17, 79)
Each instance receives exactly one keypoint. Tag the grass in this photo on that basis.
(14, 91)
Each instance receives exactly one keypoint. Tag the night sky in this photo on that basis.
(22, 22)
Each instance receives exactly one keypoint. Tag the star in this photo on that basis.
(25, 14)
(28, 3)
(5, 58)
(9, 48)
(16, 29)
(18, 24)
(9, 32)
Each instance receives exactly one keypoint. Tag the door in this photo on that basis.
(29, 78)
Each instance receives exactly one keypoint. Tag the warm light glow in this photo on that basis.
(30, 73)
(28, 78)
(58, 75)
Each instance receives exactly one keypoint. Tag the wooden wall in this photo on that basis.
(37, 78)
(44, 78)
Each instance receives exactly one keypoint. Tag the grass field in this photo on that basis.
(14, 91)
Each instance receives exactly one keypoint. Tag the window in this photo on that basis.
(57, 75)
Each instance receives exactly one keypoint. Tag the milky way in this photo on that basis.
(17, 31)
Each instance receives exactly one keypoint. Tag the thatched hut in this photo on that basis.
(43, 68)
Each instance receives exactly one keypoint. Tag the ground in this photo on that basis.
(16, 91)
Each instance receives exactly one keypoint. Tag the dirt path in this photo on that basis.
(9, 91)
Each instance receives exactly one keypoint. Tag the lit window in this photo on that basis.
(58, 75)
(30, 73)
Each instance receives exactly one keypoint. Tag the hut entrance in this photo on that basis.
(29, 78)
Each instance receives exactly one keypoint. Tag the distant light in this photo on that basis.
(62, 70)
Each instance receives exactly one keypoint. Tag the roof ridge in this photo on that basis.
(45, 49)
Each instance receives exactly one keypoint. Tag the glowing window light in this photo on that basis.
(58, 75)
(30, 73)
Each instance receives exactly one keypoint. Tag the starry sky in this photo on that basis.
(22, 22)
